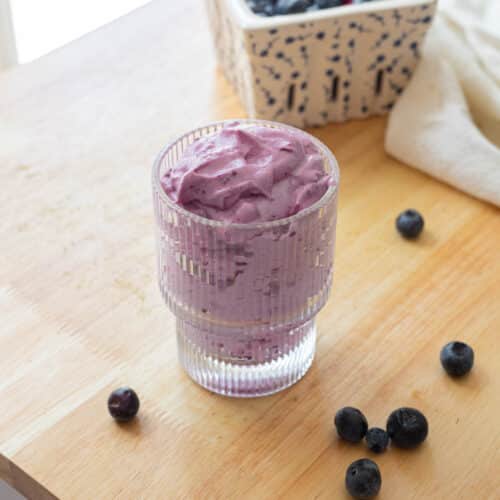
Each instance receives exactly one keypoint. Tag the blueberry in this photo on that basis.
(284, 7)
(256, 6)
(407, 427)
(326, 4)
(377, 440)
(123, 404)
(457, 358)
(410, 224)
(262, 7)
(363, 479)
(351, 424)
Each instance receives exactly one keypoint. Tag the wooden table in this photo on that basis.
(81, 312)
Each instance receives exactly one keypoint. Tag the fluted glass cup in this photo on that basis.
(245, 296)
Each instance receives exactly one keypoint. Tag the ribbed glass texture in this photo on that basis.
(245, 295)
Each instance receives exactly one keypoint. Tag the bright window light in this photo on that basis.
(43, 25)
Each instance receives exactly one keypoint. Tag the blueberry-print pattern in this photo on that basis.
(332, 69)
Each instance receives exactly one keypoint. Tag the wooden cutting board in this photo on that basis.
(81, 313)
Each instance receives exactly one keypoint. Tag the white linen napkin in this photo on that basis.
(447, 122)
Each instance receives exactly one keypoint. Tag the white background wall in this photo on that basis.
(7, 44)
(43, 25)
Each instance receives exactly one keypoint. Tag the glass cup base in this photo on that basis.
(258, 364)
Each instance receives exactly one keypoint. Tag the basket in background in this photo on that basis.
(318, 67)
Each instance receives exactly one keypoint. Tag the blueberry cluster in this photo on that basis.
(406, 428)
(284, 7)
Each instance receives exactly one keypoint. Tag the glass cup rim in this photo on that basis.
(331, 191)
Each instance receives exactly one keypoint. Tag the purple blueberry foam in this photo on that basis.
(248, 174)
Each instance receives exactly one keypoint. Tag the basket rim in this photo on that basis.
(251, 21)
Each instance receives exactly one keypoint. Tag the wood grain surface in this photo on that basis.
(81, 312)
